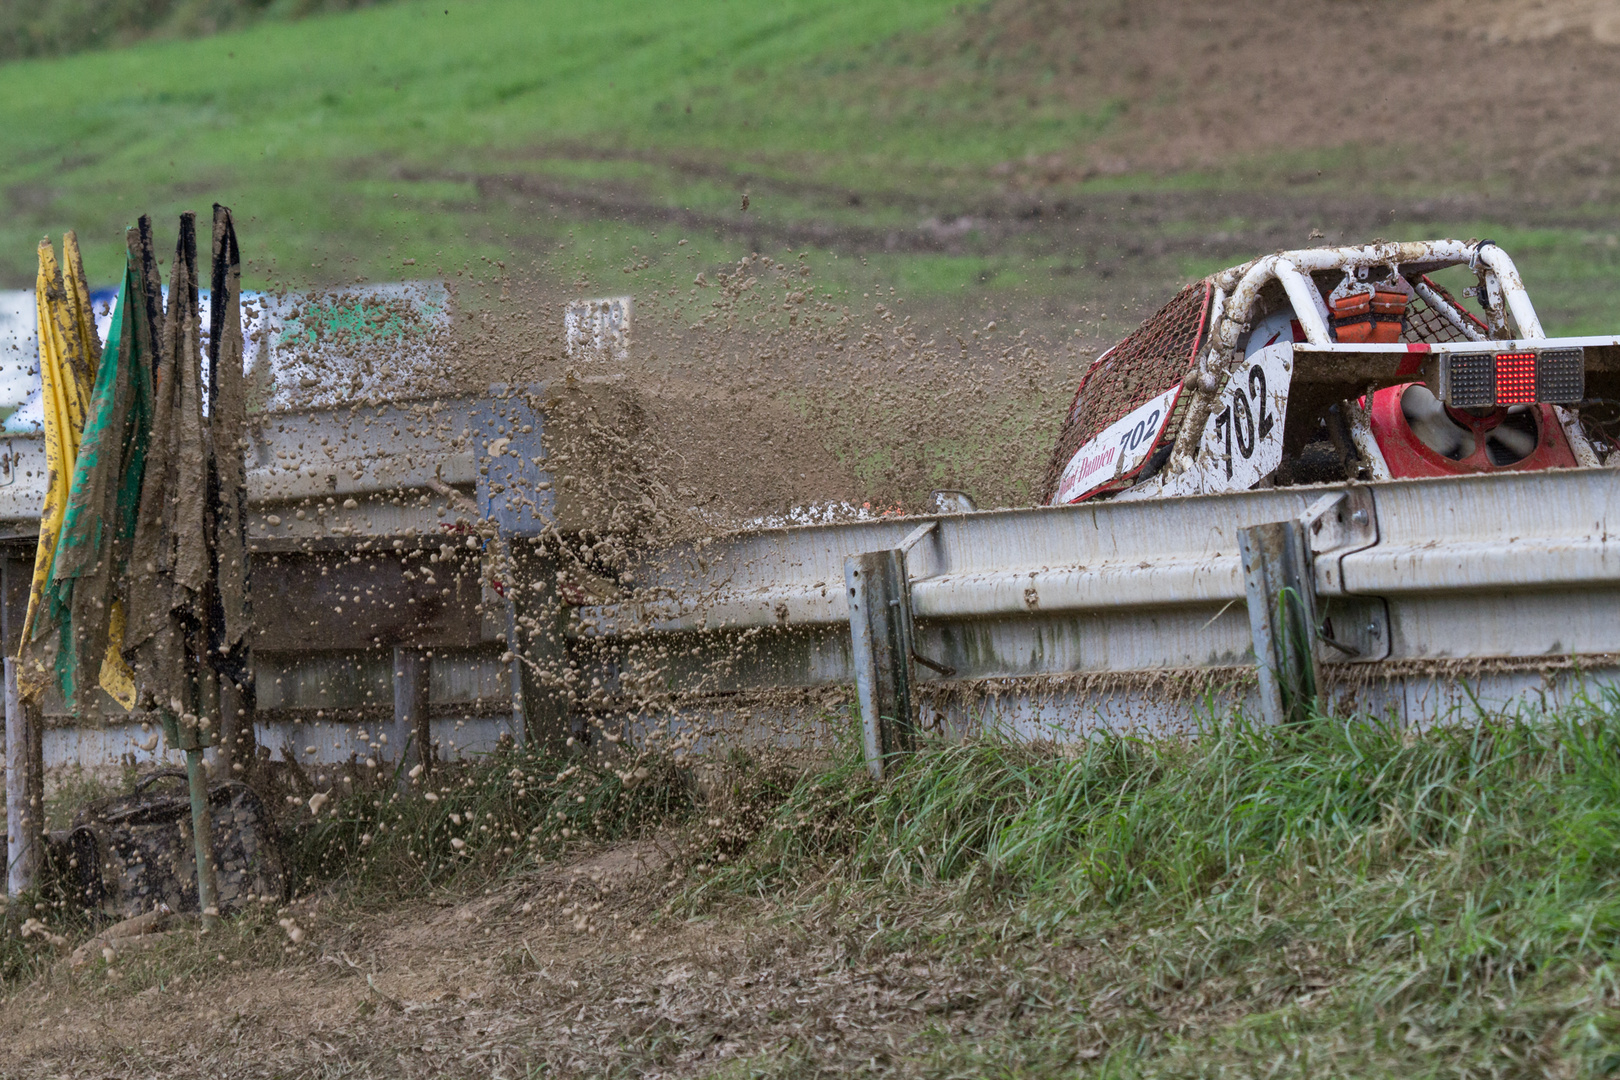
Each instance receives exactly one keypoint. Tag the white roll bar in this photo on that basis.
(1242, 284)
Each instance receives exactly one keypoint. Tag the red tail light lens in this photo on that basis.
(1483, 380)
(1515, 378)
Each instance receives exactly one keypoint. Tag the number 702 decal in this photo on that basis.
(1247, 419)
(1242, 440)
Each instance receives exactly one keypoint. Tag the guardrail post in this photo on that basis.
(238, 747)
(1280, 588)
(880, 633)
(413, 733)
(536, 638)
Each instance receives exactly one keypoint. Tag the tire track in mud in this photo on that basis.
(1212, 223)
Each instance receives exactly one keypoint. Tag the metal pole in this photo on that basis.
(1281, 593)
(880, 638)
(412, 731)
(202, 834)
(191, 733)
(25, 788)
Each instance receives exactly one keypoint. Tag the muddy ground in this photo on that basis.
(593, 968)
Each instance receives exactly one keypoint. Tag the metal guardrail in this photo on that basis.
(1409, 579)
(347, 466)
(1474, 563)
(1101, 614)
(1512, 564)
(325, 484)
(292, 457)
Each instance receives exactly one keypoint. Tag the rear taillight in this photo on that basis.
(1515, 378)
(1486, 379)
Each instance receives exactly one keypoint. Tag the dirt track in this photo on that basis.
(568, 969)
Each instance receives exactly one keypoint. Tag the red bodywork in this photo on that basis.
(1408, 456)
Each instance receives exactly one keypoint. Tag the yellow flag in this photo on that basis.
(116, 677)
(68, 354)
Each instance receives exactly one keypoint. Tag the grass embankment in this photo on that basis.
(966, 154)
(1342, 898)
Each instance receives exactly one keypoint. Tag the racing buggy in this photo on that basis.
(1333, 364)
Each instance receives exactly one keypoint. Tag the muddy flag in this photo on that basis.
(86, 593)
(168, 599)
(187, 620)
(227, 426)
(188, 598)
(69, 352)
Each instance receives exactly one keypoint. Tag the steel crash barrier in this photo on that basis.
(1409, 597)
(372, 528)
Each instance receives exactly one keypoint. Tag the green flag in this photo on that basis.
(92, 552)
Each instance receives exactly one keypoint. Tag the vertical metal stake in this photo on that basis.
(202, 831)
(520, 717)
(411, 730)
(542, 703)
(1280, 588)
(202, 824)
(880, 634)
(25, 788)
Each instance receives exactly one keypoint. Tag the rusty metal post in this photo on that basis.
(514, 671)
(538, 640)
(25, 788)
(412, 733)
(1281, 594)
(880, 634)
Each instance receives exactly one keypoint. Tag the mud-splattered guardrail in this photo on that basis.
(1430, 595)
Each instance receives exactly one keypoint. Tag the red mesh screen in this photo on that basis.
(1157, 354)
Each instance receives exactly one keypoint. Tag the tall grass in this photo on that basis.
(1445, 903)
(1120, 819)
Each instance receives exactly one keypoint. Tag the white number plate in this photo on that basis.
(1242, 441)
(1120, 448)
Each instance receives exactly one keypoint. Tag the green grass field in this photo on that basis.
(352, 136)
(519, 131)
